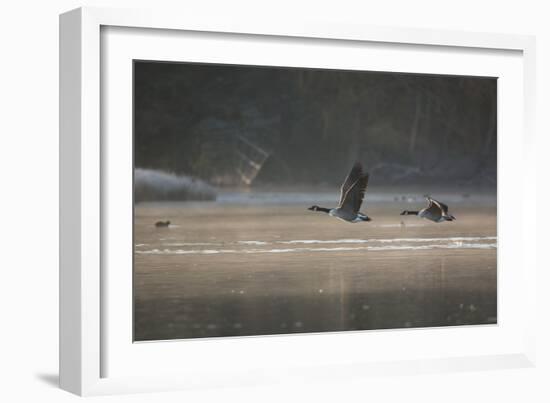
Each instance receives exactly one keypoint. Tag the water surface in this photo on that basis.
(234, 268)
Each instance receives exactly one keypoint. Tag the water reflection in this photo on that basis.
(321, 275)
(413, 302)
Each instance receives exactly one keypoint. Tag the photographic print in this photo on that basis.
(278, 200)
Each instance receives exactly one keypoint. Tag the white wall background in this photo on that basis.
(29, 198)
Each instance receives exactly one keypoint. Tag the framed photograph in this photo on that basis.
(252, 202)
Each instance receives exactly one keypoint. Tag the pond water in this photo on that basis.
(246, 265)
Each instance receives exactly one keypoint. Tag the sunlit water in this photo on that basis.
(233, 268)
(208, 248)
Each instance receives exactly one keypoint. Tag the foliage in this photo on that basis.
(314, 123)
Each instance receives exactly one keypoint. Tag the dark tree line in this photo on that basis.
(191, 119)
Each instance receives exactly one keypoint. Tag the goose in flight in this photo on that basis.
(351, 197)
(436, 211)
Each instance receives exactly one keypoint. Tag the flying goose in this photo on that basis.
(436, 211)
(351, 197)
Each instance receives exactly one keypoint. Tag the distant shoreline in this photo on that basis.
(295, 195)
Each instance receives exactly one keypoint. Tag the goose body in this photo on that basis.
(435, 211)
(162, 224)
(352, 193)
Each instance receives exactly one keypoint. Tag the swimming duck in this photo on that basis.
(436, 211)
(162, 224)
(351, 197)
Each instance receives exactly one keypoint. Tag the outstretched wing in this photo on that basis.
(355, 194)
(433, 210)
(354, 175)
(443, 207)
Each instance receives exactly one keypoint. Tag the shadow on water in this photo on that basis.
(163, 319)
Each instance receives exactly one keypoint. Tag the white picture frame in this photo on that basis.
(88, 337)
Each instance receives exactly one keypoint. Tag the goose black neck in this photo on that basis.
(411, 212)
(323, 209)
